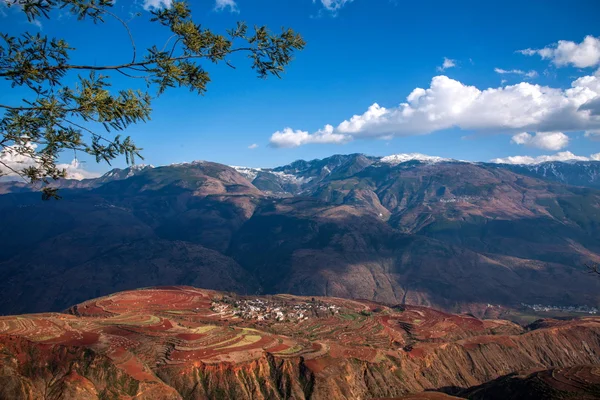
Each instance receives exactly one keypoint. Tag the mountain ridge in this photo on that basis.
(453, 235)
(294, 174)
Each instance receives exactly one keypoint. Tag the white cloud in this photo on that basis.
(448, 63)
(521, 138)
(593, 106)
(156, 4)
(221, 5)
(11, 160)
(333, 5)
(562, 156)
(448, 103)
(593, 134)
(290, 138)
(253, 146)
(542, 140)
(75, 171)
(565, 52)
(529, 74)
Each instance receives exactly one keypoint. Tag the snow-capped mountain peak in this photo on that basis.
(404, 157)
(247, 172)
(126, 172)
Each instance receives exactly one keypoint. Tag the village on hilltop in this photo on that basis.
(262, 310)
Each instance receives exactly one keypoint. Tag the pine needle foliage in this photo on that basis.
(88, 116)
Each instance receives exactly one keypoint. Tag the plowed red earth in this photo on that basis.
(182, 317)
(144, 331)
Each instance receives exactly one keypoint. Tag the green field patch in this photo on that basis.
(291, 350)
(315, 326)
(202, 329)
(247, 330)
(380, 357)
(43, 338)
(133, 321)
(231, 342)
(246, 341)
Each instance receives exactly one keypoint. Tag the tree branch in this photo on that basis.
(168, 40)
(126, 27)
(39, 63)
(134, 64)
(593, 268)
(131, 76)
(13, 170)
(89, 131)
(37, 108)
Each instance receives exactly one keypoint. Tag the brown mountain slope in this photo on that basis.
(306, 247)
(580, 382)
(484, 208)
(451, 235)
(181, 342)
(425, 396)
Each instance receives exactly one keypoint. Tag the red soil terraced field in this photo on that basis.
(183, 342)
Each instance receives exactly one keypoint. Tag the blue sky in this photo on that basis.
(366, 52)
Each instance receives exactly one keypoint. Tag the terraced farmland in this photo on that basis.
(183, 342)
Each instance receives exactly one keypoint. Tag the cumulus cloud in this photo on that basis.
(528, 74)
(333, 5)
(448, 103)
(253, 146)
(156, 4)
(542, 140)
(448, 63)
(290, 138)
(11, 161)
(221, 5)
(593, 106)
(562, 156)
(565, 52)
(76, 171)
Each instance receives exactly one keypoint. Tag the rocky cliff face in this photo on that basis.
(185, 343)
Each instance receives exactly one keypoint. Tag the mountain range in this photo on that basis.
(408, 229)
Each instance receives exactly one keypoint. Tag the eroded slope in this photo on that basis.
(182, 342)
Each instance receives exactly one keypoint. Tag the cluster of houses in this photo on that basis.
(571, 309)
(266, 310)
(460, 199)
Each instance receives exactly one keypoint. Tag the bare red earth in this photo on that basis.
(176, 342)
